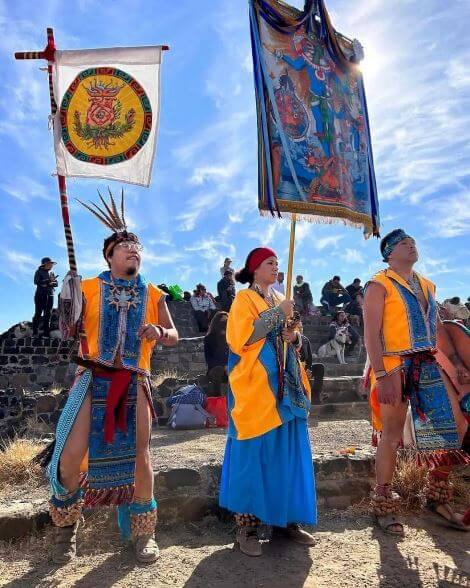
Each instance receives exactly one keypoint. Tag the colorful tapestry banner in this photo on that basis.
(108, 103)
(315, 156)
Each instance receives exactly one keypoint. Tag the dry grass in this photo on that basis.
(37, 429)
(16, 463)
(410, 482)
(56, 389)
(160, 377)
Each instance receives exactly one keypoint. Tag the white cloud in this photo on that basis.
(331, 242)
(25, 189)
(352, 256)
(450, 217)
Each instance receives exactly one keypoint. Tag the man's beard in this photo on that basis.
(130, 271)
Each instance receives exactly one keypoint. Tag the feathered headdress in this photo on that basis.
(109, 215)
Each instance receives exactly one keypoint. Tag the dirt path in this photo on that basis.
(349, 554)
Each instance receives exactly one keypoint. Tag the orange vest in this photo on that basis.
(405, 328)
(101, 326)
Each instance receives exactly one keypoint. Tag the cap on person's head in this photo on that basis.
(45, 260)
(337, 278)
(455, 300)
(357, 281)
(390, 241)
(228, 260)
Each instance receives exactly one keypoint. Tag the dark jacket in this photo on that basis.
(305, 353)
(44, 283)
(303, 291)
(353, 290)
(215, 351)
(226, 292)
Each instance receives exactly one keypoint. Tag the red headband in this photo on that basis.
(258, 256)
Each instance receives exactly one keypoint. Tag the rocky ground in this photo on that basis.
(187, 449)
(349, 553)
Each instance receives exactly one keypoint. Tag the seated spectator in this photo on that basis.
(216, 352)
(334, 294)
(303, 297)
(279, 283)
(354, 308)
(227, 267)
(187, 296)
(340, 320)
(204, 307)
(355, 288)
(315, 371)
(226, 291)
(456, 310)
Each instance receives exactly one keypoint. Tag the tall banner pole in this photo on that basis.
(290, 266)
(49, 55)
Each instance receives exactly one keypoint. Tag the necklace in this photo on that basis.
(269, 298)
(123, 297)
(414, 284)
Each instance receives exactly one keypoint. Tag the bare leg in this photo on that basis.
(393, 419)
(459, 417)
(75, 448)
(143, 464)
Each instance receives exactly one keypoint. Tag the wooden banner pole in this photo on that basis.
(290, 267)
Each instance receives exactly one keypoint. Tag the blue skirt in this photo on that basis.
(271, 476)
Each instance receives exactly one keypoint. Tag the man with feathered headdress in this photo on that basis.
(101, 454)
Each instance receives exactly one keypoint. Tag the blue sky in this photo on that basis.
(202, 204)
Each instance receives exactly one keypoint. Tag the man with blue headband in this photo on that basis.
(402, 334)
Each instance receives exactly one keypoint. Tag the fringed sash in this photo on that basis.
(435, 429)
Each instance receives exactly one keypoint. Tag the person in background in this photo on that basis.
(334, 294)
(45, 281)
(227, 267)
(226, 291)
(354, 309)
(187, 296)
(456, 310)
(315, 371)
(303, 297)
(355, 288)
(279, 285)
(203, 306)
(216, 352)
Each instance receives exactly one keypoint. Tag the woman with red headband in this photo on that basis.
(267, 475)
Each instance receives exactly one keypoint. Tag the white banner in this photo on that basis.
(108, 106)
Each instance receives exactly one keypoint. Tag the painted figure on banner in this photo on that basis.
(327, 134)
(315, 155)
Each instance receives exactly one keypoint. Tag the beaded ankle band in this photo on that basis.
(246, 520)
(383, 501)
(66, 510)
(143, 523)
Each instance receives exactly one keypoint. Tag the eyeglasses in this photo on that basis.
(130, 246)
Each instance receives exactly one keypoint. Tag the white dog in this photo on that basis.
(336, 345)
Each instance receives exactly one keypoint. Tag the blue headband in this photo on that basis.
(391, 241)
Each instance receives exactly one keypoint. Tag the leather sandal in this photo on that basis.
(387, 521)
(146, 549)
(65, 543)
(452, 520)
(295, 532)
(248, 542)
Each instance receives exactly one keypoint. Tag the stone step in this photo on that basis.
(339, 389)
(348, 369)
(340, 411)
(190, 493)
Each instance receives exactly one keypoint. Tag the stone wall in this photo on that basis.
(35, 372)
